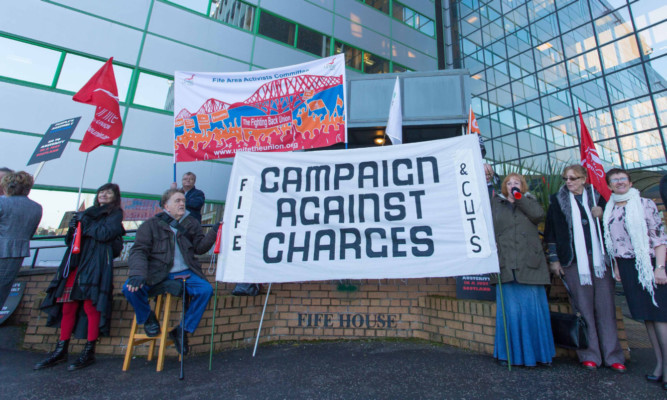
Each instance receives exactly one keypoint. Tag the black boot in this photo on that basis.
(175, 335)
(59, 355)
(152, 326)
(86, 357)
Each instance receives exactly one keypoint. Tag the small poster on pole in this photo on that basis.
(54, 141)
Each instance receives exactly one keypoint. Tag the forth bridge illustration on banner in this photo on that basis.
(298, 107)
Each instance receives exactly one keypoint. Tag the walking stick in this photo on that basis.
(181, 376)
(216, 251)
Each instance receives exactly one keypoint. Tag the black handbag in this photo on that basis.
(570, 330)
(246, 289)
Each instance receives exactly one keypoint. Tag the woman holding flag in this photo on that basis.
(575, 254)
(80, 295)
(635, 236)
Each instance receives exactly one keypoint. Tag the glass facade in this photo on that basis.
(535, 62)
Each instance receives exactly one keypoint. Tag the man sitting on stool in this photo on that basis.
(165, 247)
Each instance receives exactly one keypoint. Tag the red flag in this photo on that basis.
(102, 92)
(591, 161)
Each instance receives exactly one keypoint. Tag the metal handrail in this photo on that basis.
(126, 238)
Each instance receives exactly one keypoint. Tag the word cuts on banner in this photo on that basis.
(217, 115)
(410, 211)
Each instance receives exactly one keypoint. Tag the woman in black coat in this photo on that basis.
(86, 279)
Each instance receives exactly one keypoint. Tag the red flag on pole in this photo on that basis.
(591, 161)
(102, 92)
(472, 123)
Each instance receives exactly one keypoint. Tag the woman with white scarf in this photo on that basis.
(635, 235)
(575, 254)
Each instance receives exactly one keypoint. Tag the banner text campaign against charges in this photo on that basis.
(408, 211)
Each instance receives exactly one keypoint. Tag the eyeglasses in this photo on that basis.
(567, 178)
(617, 180)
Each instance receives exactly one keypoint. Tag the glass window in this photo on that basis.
(557, 106)
(516, 19)
(152, 91)
(613, 26)
(27, 62)
(642, 150)
(590, 95)
(469, 24)
(584, 67)
(518, 42)
(573, 15)
(600, 124)
(648, 12)
(382, 5)
(352, 54)
(608, 153)
(524, 89)
(548, 53)
(467, 6)
(565, 157)
(426, 26)
(552, 79)
(627, 84)
(620, 54)
(234, 12)
(579, 40)
(475, 37)
(661, 107)
(492, 32)
(501, 97)
(498, 74)
(546, 28)
(374, 64)
(657, 71)
(501, 126)
(531, 141)
(77, 70)
(403, 13)
(523, 64)
(200, 6)
(634, 116)
(505, 148)
(561, 134)
(600, 8)
(654, 40)
(312, 42)
(528, 115)
(276, 28)
(539, 8)
(474, 62)
(398, 68)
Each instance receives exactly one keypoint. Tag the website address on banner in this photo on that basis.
(293, 145)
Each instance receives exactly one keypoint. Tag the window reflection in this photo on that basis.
(313, 42)
(352, 54)
(626, 84)
(233, 12)
(573, 15)
(276, 28)
(375, 65)
(600, 124)
(653, 41)
(584, 67)
(590, 95)
(152, 91)
(77, 70)
(634, 116)
(642, 150)
(661, 107)
(561, 134)
(19, 60)
(579, 40)
(196, 5)
(648, 12)
(608, 153)
(613, 26)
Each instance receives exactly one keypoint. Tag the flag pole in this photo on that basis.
(39, 169)
(259, 330)
(83, 173)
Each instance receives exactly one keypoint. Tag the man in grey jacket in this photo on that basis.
(19, 218)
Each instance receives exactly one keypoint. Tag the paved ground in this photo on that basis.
(340, 370)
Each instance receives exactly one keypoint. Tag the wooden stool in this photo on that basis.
(162, 303)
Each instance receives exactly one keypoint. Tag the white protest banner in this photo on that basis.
(409, 211)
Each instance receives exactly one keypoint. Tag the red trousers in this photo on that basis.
(69, 318)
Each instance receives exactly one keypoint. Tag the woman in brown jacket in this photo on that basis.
(523, 274)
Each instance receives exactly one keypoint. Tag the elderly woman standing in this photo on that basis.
(575, 254)
(635, 236)
(19, 218)
(523, 274)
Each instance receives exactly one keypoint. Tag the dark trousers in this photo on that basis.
(9, 268)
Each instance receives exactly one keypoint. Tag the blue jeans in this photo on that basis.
(199, 290)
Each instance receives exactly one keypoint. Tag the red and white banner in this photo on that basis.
(591, 161)
(298, 107)
(101, 91)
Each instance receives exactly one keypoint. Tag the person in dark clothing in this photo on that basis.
(165, 247)
(194, 198)
(86, 279)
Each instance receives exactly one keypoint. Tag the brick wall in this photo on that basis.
(329, 310)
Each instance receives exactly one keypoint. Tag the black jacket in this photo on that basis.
(194, 201)
(558, 227)
(152, 255)
(94, 268)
